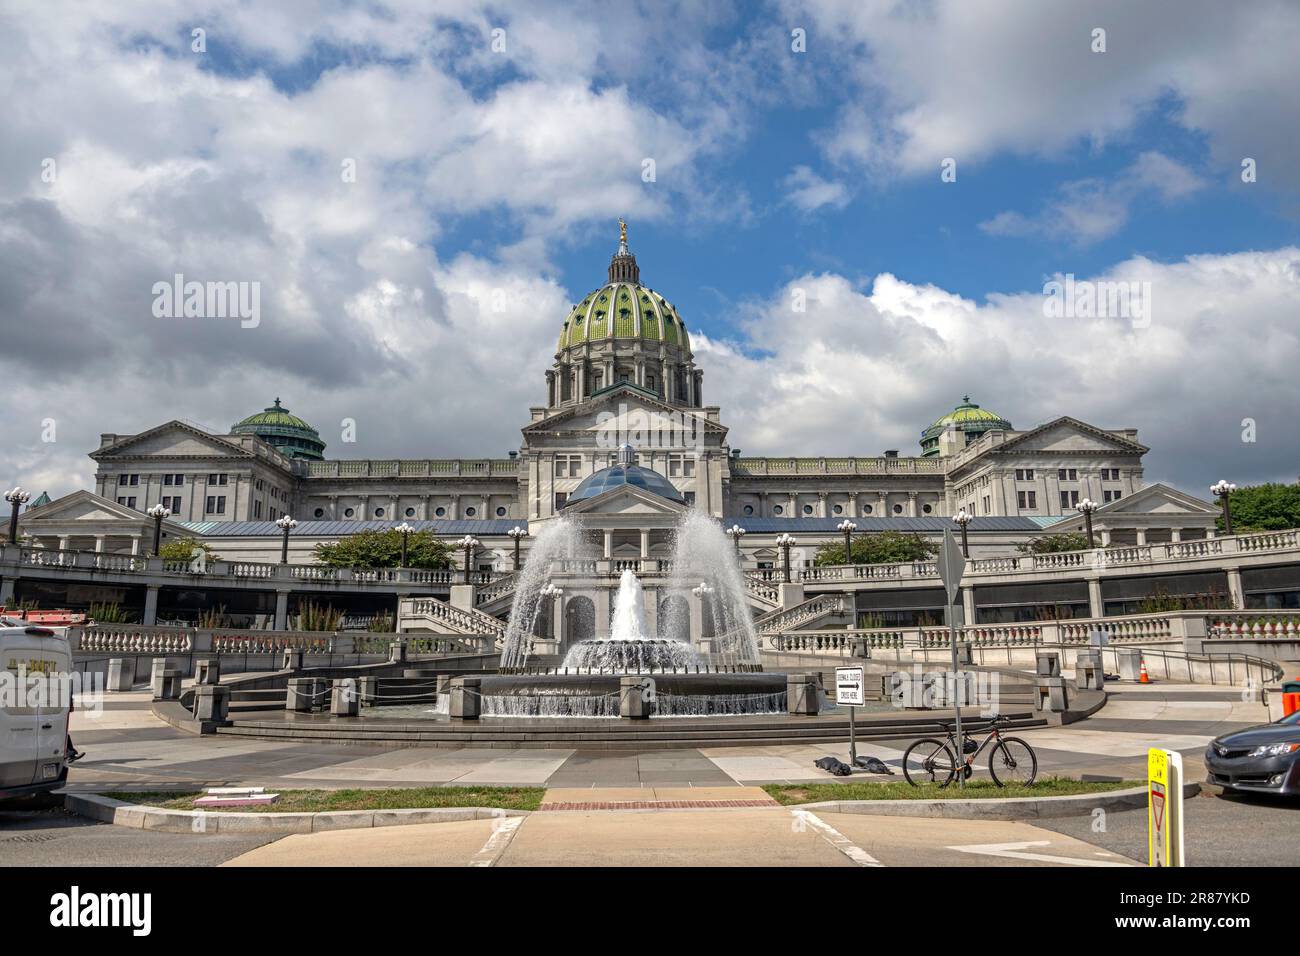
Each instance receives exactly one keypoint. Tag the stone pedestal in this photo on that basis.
(302, 695)
(910, 690)
(344, 701)
(636, 698)
(397, 652)
(1049, 664)
(1130, 662)
(801, 694)
(211, 702)
(156, 669)
(965, 654)
(368, 690)
(862, 648)
(291, 659)
(943, 688)
(466, 704)
(1088, 673)
(1052, 696)
(167, 685)
(207, 671)
(121, 674)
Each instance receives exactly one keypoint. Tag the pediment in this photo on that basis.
(1071, 436)
(627, 500)
(83, 506)
(172, 440)
(626, 414)
(1159, 499)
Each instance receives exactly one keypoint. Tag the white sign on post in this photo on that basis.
(850, 686)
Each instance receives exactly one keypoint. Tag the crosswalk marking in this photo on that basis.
(837, 839)
(503, 831)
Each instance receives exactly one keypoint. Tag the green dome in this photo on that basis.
(966, 417)
(278, 428)
(623, 310)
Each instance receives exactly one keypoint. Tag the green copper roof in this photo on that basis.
(280, 429)
(966, 417)
(623, 310)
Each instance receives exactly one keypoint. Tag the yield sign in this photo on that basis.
(1158, 808)
(952, 564)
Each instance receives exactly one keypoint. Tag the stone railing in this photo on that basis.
(759, 587)
(1097, 559)
(1253, 625)
(841, 642)
(789, 619)
(413, 468)
(240, 641)
(460, 619)
(134, 639)
(503, 586)
(836, 466)
(82, 560)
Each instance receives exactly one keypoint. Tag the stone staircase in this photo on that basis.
(812, 611)
(431, 614)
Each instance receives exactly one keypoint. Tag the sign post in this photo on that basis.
(850, 691)
(1164, 807)
(952, 564)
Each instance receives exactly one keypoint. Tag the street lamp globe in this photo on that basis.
(404, 528)
(285, 523)
(158, 512)
(517, 532)
(16, 496)
(1087, 506)
(1221, 488)
(785, 541)
(963, 517)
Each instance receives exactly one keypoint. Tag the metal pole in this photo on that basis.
(956, 696)
(853, 740)
(13, 524)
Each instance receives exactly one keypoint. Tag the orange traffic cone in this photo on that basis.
(1143, 677)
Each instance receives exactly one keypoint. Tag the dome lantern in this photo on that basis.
(952, 432)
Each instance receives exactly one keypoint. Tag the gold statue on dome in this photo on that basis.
(622, 229)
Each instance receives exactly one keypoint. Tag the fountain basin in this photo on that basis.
(598, 695)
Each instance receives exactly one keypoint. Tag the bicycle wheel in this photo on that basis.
(1013, 762)
(929, 761)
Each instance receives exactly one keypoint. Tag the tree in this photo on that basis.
(182, 549)
(1269, 507)
(1052, 543)
(884, 547)
(383, 549)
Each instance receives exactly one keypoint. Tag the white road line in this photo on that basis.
(503, 831)
(837, 839)
(1015, 851)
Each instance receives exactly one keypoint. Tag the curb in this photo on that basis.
(123, 813)
(1010, 808)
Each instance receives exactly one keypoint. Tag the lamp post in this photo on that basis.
(16, 497)
(404, 530)
(1222, 489)
(963, 518)
(847, 527)
(735, 533)
(285, 524)
(1086, 507)
(469, 543)
(785, 542)
(518, 534)
(552, 594)
(158, 512)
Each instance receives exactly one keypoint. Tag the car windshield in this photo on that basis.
(1291, 718)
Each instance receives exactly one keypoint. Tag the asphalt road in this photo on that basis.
(1237, 830)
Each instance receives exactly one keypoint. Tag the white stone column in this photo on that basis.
(1141, 536)
(911, 504)
(99, 544)
(645, 543)
(1175, 534)
(609, 543)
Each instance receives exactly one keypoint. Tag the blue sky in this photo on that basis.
(487, 174)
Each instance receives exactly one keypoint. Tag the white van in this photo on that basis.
(33, 739)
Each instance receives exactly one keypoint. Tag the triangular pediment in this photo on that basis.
(626, 411)
(627, 500)
(1071, 436)
(1159, 499)
(174, 439)
(87, 507)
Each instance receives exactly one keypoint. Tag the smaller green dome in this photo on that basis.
(284, 431)
(966, 417)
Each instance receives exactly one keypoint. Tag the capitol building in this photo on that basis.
(623, 374)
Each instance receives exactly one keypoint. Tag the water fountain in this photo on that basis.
(589, 681)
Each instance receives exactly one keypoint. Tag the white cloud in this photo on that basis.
(951, 78)
(1086, 211)
(808, 191)
(867, 367)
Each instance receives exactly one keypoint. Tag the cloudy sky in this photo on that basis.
(421, 190)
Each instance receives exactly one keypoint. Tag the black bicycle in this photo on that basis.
(930, 760)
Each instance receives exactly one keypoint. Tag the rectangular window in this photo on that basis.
(1067, 474)
(690, 497)
(216, 504)
(217, 479)
(172, 503)
(135, 480)
(988, 505)
(1028, 500)
(1069, 499)
(167, 479)
(180, 480)
(688, 467)
(257, 509)
(1111, 495)
(130, 502)
(1024, 474)
(561, 497)
(1110, 474)
(121, 481)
